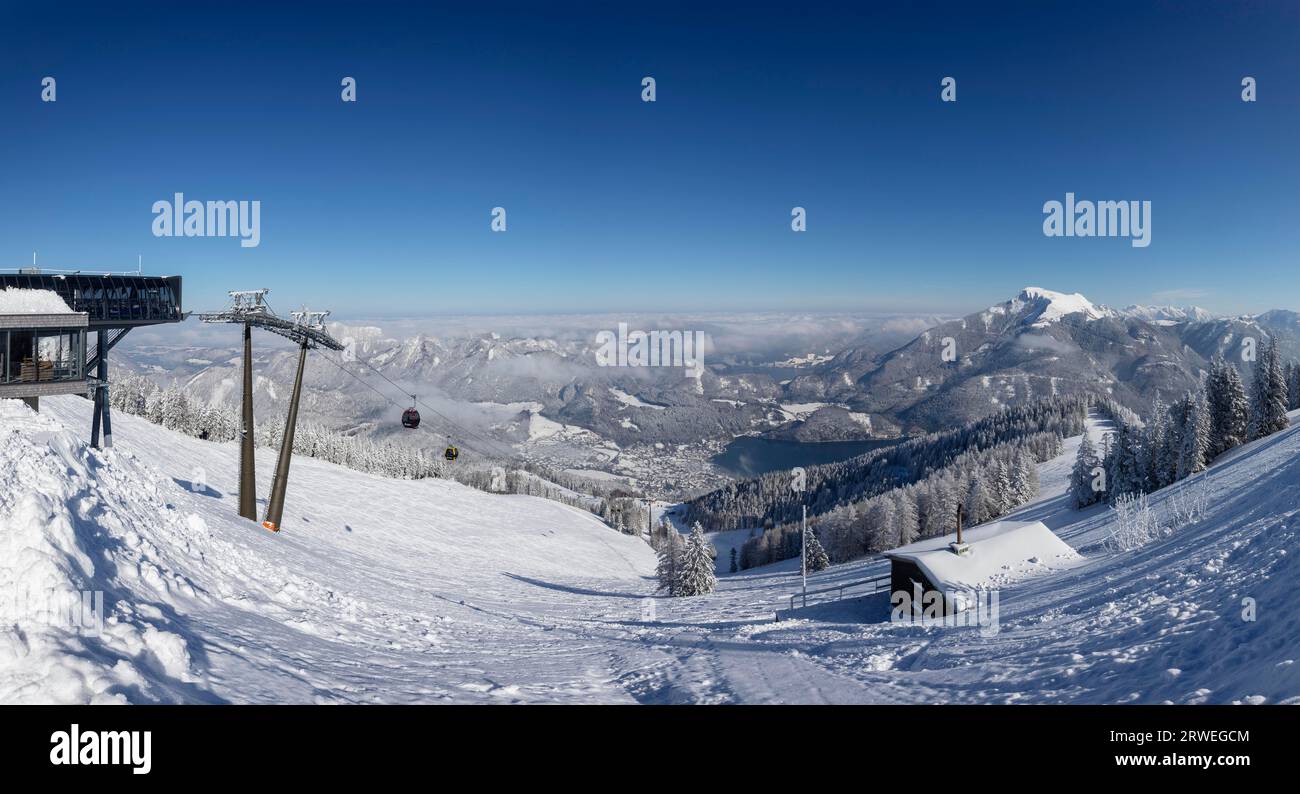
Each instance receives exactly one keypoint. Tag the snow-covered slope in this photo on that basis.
(1165, 623)
(392, 591)
(377, 590)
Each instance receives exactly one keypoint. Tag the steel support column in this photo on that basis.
(101, 415)
(247, 469)
(275, 509)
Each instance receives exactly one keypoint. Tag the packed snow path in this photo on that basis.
(392, 591)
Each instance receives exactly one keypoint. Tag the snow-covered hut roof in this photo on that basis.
(1000, 552)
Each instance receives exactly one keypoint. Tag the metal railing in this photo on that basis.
(839, 589)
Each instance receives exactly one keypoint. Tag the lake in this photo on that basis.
(749, 456)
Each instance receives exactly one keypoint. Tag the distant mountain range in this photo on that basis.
(886, 380)
(1037, 344)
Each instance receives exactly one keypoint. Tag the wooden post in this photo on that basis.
(803, 553)
(960, 512)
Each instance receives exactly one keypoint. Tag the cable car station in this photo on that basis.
(47, 348)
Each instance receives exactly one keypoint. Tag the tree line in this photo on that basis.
(1182, 439)
(986, 483)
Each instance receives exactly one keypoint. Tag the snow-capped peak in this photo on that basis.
(1043, 306)
(1156, 314)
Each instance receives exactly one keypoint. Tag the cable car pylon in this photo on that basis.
(249, 308)
(308, 330)
(247, 465)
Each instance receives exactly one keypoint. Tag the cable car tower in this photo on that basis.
(248, 308)
(307, 328)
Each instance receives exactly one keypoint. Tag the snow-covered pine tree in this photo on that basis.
(154, 408)
(1025, 482)
(930, 508)
(815, 554)
(670, 559)
(1195, 436)
(1293, 385)
(1107, 456)
(695, 576)
(1001, 498)
(173, 408)
(1238, 408)
(1081, 476)
(1019, 492)
(1125, 476)
(1268, 395)
(1228, 407)
(946, 499)
(924, 508)
(1152, 447)
(130, 394)
(1171, 442)
(1214, 401)
(977, 499)
(905, 517)
(877, 521)
(1178, 414)
(733, 560)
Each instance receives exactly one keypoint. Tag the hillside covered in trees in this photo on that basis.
(769, 499)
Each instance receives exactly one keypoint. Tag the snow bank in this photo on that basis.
(68, 531)
(31, 301)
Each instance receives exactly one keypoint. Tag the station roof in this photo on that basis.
(108, 300)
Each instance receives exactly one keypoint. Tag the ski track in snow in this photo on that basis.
(423, 592)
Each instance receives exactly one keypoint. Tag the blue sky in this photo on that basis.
(382, 207)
